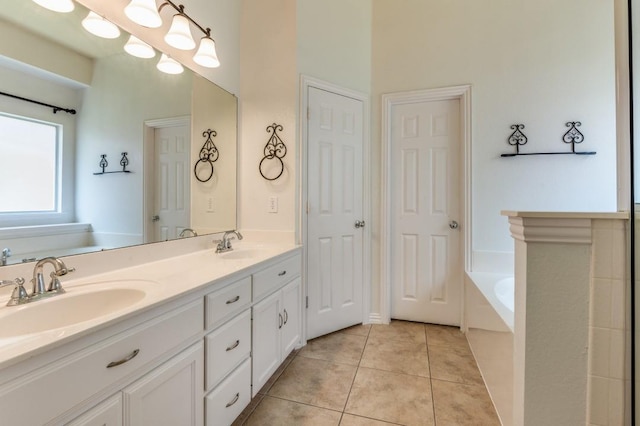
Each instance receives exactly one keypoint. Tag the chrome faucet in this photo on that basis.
(6, 252)
(55, 287)
(225, 243)
(185, 231)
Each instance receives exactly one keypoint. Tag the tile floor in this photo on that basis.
(404, 373)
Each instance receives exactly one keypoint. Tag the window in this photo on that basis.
(28, 165)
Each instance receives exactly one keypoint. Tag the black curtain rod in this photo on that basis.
(55, 108)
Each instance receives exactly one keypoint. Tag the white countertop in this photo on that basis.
(171, 278)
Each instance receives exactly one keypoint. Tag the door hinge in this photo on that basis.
(307, 302)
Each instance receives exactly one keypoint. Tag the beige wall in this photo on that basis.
(541, 63)
(213, 108)
(268, 82)
(334, 42)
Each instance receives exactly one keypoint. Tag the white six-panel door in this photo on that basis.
(425, 211)
(335, 204)
(171, 194)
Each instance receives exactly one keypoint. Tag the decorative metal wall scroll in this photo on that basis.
(124, 162)
(208, 155)
(572, 136)
(274, 149)
(517, 138)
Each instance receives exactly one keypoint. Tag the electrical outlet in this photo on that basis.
(273, 205)
(210, 205)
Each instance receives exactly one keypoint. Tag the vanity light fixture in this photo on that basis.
(99, 26)
(206, 55)
(169, 66)
(143, 12)
(179, 35)
(63, 6)
(138, 48)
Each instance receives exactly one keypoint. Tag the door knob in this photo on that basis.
(453, 224)
(359, 224)
(155, 218)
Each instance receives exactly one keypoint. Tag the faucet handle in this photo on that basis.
(19, 294)
(55, 286)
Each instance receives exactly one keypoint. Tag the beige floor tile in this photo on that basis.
(454, 364)
(443, 335)
(316, 382)
(279, 412)
(459, 405)
(399, 330)
(396, 355)
(351, 420)
(276, 375)
(360, 330)
(391, 397)
(336, 347)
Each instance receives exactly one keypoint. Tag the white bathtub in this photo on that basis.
(489, 318)
(497, 292)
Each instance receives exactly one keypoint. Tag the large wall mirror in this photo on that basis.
(123, 104)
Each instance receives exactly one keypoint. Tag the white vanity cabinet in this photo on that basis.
(170, 394)
(107, 413)
(194, 360)
(228, 349)
(276, 318)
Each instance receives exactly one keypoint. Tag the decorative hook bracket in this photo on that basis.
(124, 162)
(517, 138)
(208, 154)
(275, 148)
(573, 135)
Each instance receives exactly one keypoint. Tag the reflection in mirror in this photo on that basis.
(124, 104)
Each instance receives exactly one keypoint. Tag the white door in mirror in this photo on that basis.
(171, 196)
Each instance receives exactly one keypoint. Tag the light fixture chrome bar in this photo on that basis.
(180, 9)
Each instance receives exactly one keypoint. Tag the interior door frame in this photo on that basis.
(149, 128)
(307, 82)
(463, 93)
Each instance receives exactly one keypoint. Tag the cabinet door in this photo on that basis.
(107, 413)
(291, 313)
(171, 394)
(266, 354)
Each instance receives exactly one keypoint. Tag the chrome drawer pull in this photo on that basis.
(128, 358)
(232, 347)
(234, 300)
(282, 273)
(235, 399)
(280, 324)
(286, 316)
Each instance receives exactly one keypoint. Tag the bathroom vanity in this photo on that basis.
(204, 336)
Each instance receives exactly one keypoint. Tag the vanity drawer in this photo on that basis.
(227, 347)
(59, 386)
(228, 301)
(274, 277)
(225, 403)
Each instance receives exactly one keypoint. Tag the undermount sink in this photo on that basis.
(77, 305)
(240, 254)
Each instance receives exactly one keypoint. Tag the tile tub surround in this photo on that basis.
(399, 374)
(570, 284)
